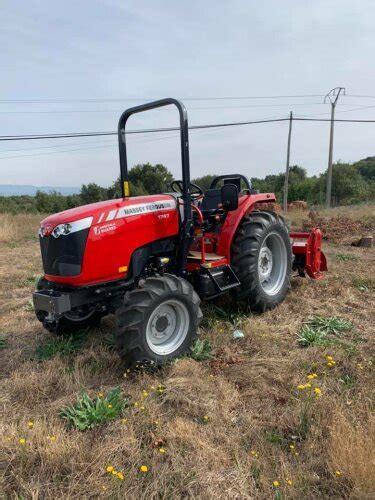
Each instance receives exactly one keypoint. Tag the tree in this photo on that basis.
(366, 168)
(204, 182)
(90, 193)
(150, 179)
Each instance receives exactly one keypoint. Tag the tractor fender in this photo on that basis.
(233, 220)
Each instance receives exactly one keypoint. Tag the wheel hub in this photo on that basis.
(167, 327)
(265, 263)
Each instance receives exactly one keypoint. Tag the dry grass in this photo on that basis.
(260, 427)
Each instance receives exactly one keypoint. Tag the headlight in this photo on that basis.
(70, 227)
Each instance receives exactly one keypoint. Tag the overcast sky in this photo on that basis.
(125, 49)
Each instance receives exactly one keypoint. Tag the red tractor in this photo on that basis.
(151, 259)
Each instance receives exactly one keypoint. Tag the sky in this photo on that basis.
(85, 54)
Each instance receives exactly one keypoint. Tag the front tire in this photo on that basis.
(158, 321)
(262, 260)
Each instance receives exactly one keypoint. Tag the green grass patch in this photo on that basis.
(364, 285)
(308, 336)
(88, 412)
(29, 306)
(60, 346)
(346, 257)
(321, 331)
(3, 342)
(332, 325)
(235, 317)
(201, 350)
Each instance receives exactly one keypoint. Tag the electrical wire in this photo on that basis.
(140, 99)
(60, 111)
(144, 131)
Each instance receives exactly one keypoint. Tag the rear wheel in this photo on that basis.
(158, 321)
(262, 259)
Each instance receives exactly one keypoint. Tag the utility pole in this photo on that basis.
(286, 181)
(332, 96)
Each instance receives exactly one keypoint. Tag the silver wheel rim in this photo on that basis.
(167, 327)
(272, 263)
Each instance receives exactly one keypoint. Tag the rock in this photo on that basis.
(238, 334)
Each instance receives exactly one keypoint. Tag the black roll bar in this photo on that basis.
(185, 162)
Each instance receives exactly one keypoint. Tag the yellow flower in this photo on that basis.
(145, 394)
(300, 387)
(120, 475)
(22, 440)
(337, 473)
(30, 424)
(136, 404)
(308, 386)
(162, 450)
(143, 468)
(275, 484)
(114, 472)
(100, 395)
(142, 408)
(205, 418)
(317, 391)
(311, 376)
(211, 376)
(291, 446)
(52, 438)
(109, 469)
(289, 482)
(109, 406)
(329, 358)
(124, 420)
(329, 364)
(360, 366)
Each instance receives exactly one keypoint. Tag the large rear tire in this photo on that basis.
(262, 260)
(158, 321)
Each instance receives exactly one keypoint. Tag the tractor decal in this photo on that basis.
(138, 209)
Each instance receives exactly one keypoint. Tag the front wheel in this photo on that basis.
(262, 260)
(158, 321)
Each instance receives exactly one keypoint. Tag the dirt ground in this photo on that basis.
(234, 426)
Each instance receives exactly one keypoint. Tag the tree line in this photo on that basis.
(351, 183)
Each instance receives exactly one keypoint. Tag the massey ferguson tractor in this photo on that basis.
(150, 260)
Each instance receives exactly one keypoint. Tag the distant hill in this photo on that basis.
(17, 190)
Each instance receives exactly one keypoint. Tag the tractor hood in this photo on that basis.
(107, 211)
(95, 243)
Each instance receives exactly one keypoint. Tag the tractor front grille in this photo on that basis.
(63, 256)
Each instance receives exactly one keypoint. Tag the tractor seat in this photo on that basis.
(211, 201)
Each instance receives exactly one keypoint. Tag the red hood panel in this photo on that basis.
(103, 211)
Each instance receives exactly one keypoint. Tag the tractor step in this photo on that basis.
(218, 280)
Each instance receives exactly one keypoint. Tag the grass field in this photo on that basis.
(244, 422)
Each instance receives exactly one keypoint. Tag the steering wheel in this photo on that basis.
(177, 187)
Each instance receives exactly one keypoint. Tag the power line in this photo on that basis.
(144, 131)
(138, 99)
(93, 146)
(60, 111)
